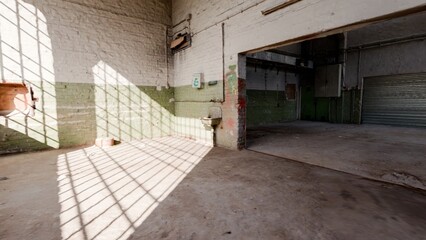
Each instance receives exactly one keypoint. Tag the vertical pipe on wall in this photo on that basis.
(21, 58)
(278, 88)
(359, 70)
(285, 84)
(345, 59)
(167, 57)
(336, 108)
(358, 75)
(360, 86)
(265, 78)
(223, 62)
(331, 110)
(299, 104)
(1, 62)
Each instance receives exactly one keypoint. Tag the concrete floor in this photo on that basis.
(173, 188)
(384, 153)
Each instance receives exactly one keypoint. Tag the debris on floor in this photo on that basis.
(404, 179)
(383, 153)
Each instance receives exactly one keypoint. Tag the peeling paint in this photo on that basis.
(231, 76)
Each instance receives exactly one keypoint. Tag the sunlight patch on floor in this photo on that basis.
(108, 193)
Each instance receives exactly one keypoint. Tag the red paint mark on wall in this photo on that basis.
(242, 103)
(241, 85)
(235, 105)
(230, 123)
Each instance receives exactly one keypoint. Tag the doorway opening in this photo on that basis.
(353, 101)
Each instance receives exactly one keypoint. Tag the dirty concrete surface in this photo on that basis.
(384, 153)
(223, 194)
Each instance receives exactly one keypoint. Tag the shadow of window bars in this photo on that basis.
(104, 193)
(26, 56)
(124, 111)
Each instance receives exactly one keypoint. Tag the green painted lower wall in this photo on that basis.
(208, 93)
(192, 109)
(73, 114)
(347, 108)
(188, 123)
(76, 113)
(312, 108)
(12, 141)
(344, 109)
(269, 107)
(191, 104)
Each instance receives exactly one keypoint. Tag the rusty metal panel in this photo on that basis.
(395, 100)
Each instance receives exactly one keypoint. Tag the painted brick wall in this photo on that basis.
(99, 68)
(247, 29)
(266, 97)
(101, 64)
(401, 58)
(193, 104)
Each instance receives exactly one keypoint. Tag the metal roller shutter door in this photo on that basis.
(395, 100)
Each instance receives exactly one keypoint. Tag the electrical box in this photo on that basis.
(196, 80)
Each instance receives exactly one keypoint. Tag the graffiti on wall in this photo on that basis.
(236, 102)
(231, 76)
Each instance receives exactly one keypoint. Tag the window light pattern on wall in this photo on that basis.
(26, 56)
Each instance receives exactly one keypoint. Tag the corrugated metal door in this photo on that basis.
(395, 100)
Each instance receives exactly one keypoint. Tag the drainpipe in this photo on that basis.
(360, 87)
(167, 57)
(223, 62)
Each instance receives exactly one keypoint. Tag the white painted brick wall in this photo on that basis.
(273, 80)
(149, 10)
(128, 35)
(53, 44)
(402, 58)
(251, 30)
(206, 48)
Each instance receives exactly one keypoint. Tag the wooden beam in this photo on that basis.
(278, 7)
